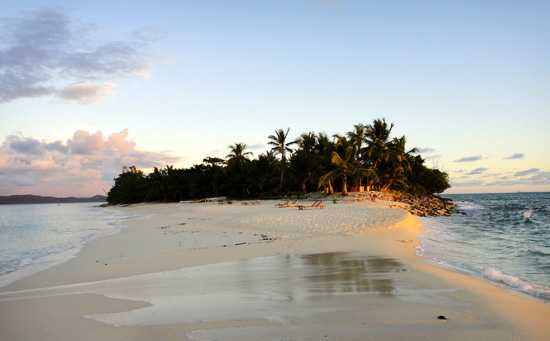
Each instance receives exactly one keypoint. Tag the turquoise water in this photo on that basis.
(35, 237)
(504, 238)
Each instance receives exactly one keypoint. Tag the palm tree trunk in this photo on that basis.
(282, 178)
(344, 185)
(304, 183)
(283, 166)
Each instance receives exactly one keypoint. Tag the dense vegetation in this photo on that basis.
(366, 157)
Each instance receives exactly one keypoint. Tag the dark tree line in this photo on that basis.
(366, 158)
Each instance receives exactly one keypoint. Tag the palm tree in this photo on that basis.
(324, 147)
(265, 169)
(305, 160)
(346, 167)
(357, 137)
(238, 153)
(281, 147)
(307, 141)
(213, 161)
(397, 167)
(377, 137)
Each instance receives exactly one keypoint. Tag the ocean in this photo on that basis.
(35, 237)
(504, 238)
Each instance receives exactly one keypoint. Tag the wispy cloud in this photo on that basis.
(256, 146)
(515, 156)
(478, 171)
(468, 183)
(86, 92)
(533, 177)
(45, 52)
(425, 150)
(432, 157)
(85, 164)
(470, 158)
(537, 178)
(527, 172)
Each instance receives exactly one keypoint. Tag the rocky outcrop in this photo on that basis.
(432, 206)
(422, 206)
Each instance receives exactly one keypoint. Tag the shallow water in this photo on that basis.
(502, 237)
(35, 237)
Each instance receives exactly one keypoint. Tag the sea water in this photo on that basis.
(35, 237)
(504, 238)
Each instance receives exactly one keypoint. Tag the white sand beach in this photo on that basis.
(252, 271)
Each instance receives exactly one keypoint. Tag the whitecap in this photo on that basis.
(468, 205)
(527, 215)
(516, 283)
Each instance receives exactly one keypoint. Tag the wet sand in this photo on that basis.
(236, 272)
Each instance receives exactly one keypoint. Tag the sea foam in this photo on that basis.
(516, 283)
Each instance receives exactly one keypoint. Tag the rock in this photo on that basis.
(427, 205)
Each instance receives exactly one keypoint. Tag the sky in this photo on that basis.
(89, 87)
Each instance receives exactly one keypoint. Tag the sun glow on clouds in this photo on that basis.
(482, 179)
(86, 92)
(510, 171)
(83, 165)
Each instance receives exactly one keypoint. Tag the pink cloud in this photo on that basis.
(86, 92)
(85, 165)
(84, 142)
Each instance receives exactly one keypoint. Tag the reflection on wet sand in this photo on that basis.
(272, 288)
(333, 273)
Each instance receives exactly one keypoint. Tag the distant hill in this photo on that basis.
(37, 199)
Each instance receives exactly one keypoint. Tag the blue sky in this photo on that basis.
(466, 79)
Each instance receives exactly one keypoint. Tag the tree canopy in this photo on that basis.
(365, 158)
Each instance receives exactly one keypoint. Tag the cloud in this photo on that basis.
(84, 142)
(469, 183)
(86, 92)
(477, 171)
(83, 165)
(24, 145)
(532, 179)
(470, 158)
(45, 52)
(527, 172)
(432, 157)
(536, 178)
(29, 146)
(256, 146)
(540, 178)
(515, 156)
(426, 150)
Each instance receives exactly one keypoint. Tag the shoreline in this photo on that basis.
(239, 232)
